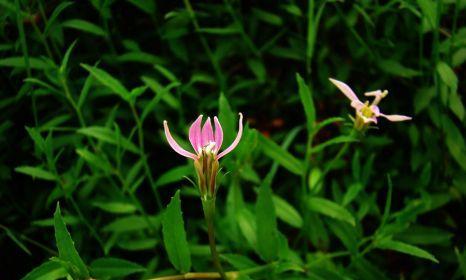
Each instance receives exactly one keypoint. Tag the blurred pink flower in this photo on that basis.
(366, 112)
(204, 140)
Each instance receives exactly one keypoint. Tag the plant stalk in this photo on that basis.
(208, 205)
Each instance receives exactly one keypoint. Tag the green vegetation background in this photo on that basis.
(85, 86)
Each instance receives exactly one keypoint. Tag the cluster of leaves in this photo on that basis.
(87, 84)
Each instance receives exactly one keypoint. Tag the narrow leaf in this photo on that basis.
(49, 270)
(36, 172)
(287, 213)
(105, 134)
(66, 250)
(405, 249)
(267, 243)
(280, 155)
(174, 235)
(107, 80)
(308, 104)
(331, 209)
(113, 267)
(85, 26)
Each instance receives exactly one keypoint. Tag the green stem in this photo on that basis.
(215, 275)
(70, 99)
(135, 200)
(143, 155)
(204, 43)
(208, 206)
(338, 156)
(239, 24)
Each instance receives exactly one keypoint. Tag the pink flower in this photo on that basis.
(205, 140)
(206, 143)
(366, 112)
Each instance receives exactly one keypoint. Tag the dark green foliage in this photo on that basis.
(84, 89)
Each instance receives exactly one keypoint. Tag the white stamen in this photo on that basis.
(209, 147)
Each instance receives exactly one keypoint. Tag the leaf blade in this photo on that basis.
(66, 250)
(174, 235)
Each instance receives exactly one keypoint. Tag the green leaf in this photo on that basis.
(227, 117)
(173, 175)
(461, 260)
(49, 270)
(138, 244)
(113, 267)
(395, 68)
(147, 6)
(239, 262)
(456, 105)
(66, 57)
(94, 160)
(174, 235)
(166, 73)
(107, 80)
(131, 223)
(266, 230)
(331, 209)
(308, 104)
(336, 140)
(346, 233)
(287, 213)
(36, 172)
(229, 30)
(366, 270)
(267, 17)
(325, 123)
(85, 26)
(66, 250)
(281, 156)
(447, 75)
(422, 235)
(19, 62)
(429, 11)
(13, 238)
(388, 202)
(405, 249)
(258, 68)
(116, 207)
(247, 224)
(85, 90)
(56, 12)
(139, 57)
(107, 135)
(352, 192)
(423, 98)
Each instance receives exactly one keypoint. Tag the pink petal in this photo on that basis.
(218, 134)
(346, 90)
(375, 109)
(236, 141)
(207, 133)
(374, 93)
(195, 134)
(396, 118)
(175, 146)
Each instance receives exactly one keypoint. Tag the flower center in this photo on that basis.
(209, 148)
(366, 111)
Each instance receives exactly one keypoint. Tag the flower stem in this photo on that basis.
(336, 158)
(231, 275)
(208, 205)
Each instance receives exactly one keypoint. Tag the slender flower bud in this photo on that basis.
(206, 143)
(366, 112)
